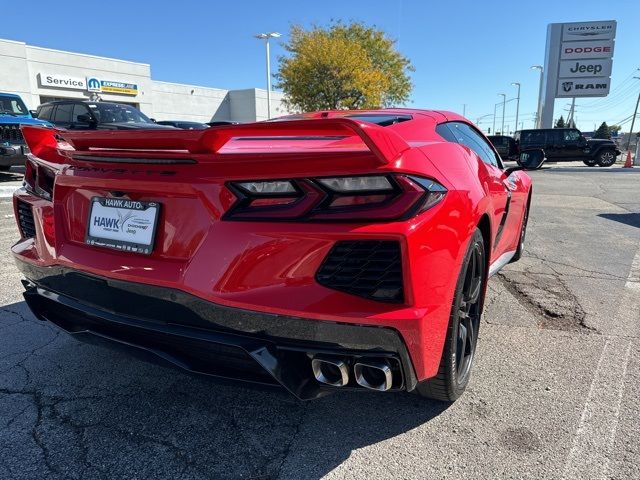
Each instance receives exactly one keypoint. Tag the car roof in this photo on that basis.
(10, 95)
(438, 115)
(77, 100)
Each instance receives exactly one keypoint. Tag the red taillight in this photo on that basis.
(38, 179)
(349, 198)
(48, 225)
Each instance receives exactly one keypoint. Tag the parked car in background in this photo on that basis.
(505, 145)
(568, 144)
(13, 114)
(183, 124)
(85, 115)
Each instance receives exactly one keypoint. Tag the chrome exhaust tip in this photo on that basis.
(374, 375)
(330, 371)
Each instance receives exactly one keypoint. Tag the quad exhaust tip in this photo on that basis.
(330, 371)
(374, 375)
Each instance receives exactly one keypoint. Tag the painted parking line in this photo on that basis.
(633, 281)
(593, 442)
(595, 436)
(7, 191)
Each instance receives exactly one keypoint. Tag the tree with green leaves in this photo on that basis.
(560, 123)
(603, 131)
(343, 66)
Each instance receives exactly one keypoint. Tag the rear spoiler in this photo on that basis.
(385, 144)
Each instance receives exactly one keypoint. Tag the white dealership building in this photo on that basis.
(41, 75)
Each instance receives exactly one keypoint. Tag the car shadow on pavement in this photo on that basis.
(632, 219)
(13, 175)
(88, 411)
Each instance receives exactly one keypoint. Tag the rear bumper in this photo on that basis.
(172, 326)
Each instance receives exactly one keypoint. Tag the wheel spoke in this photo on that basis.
(462, 345)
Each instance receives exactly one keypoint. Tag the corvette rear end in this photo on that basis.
(315, 254)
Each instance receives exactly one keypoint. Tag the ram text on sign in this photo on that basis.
(591, 49)
(586, 68)
(583, 87)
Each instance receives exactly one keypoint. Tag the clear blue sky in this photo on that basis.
(464, 51)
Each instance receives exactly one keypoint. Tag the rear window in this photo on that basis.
(382, 120)
(533, 137)
(45, 112)
(499, 141)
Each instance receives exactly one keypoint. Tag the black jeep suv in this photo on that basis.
(567, 144)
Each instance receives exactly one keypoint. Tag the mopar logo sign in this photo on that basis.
(93, 85)
(110, 86)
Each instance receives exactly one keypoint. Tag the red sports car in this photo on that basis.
(321, 252)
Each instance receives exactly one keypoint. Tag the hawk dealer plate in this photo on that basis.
(123, 224)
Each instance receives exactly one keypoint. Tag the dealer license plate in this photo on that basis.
(123, 224)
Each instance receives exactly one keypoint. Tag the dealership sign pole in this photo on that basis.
(577, 63)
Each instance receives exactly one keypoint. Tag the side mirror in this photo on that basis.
(528, 160)
(85, 118)
(33, 113)
(153, 120)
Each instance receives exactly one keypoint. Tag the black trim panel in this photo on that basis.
(172, 325)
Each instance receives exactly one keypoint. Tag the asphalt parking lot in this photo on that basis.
(554, 392)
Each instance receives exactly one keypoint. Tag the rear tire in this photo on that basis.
(606, 158)
(462, 333)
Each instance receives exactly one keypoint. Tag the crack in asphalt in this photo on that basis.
(296, 432)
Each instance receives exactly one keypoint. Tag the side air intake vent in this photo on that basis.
(367, 268)
(25, 219)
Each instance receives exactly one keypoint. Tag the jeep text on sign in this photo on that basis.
(583, 87)
(582, 50)
(586, 68)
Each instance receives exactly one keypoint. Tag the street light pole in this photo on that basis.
(517, 84)
(633, 120)
(266, 37)
(504, 104)
(495, 107)
(539, 112)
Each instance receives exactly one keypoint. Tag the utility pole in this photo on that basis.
(633, 119)
(504, 104)
(464, 109)
(517, 84)
(571, 111)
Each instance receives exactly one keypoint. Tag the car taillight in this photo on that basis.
(39, 179)
(347, 198)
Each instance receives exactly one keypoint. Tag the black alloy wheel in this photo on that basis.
(469, 314)
(464, 324)
(606, 158)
